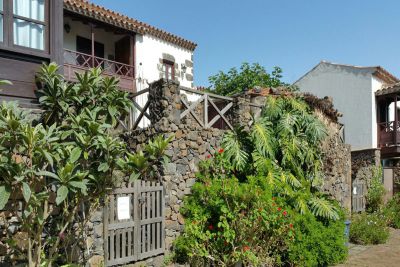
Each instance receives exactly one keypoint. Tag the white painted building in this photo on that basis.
(353, 91)
(133, 51)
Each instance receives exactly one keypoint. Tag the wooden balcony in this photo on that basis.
(389, 138)
(80, 62)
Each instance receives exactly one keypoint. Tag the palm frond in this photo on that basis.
(273, 107)
(323, 208)
(315, 129)
(237, 148)
(263, 138)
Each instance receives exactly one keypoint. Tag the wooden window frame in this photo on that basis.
(8, 30)
(169, 64)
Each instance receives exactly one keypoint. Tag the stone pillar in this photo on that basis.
(241, 111)
(165, 104)
(259, 101)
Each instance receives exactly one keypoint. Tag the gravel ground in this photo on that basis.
(385, 255)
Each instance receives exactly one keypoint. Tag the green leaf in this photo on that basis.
(81, 185)
(103, 167)
(75, 154)
(5, 192)
(48, 157)
(47, 173)
(26, 191)
(134, 176)
(62, 194)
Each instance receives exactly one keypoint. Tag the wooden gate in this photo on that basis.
(358, 198)
(134, 223)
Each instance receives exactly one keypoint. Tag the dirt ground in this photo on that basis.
(386, 255)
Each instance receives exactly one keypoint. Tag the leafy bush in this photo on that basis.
(392, 211)
(227, 221)
(369, 229)
(317, 243)
(376, 191)
(64, 164)
(247, 77)
(283, 147)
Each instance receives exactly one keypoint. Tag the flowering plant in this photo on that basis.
(228, 221)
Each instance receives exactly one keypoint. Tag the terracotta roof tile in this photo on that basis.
(100, 13)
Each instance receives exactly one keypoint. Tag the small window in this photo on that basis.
(29, 23)
(168, 69)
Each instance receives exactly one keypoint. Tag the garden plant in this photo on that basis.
(258, 201)
(57, 167)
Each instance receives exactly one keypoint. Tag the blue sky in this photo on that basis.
(292, 34)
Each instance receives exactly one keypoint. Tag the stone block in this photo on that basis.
(96, 261)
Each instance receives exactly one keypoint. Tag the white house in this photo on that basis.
(353, 91)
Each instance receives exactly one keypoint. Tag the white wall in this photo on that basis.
(376, 84)
(83, 30)
(351, 90)
(149, 50)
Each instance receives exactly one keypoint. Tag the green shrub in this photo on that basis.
(228, 221)
(317, 243)
(392, 211)
(376, 191)
(369, 229)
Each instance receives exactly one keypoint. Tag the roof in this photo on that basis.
(377, 71)
(389, 89)
(325, 105)
(85, 8)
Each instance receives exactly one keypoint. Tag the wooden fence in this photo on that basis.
(214, 108)
(358, 196)
(134, 223)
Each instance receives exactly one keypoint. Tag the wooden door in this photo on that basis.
(123, 50)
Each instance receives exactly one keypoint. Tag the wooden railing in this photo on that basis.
(213, 108)
(137, 113)
(75, 62)
(88, 61)
(388, 133)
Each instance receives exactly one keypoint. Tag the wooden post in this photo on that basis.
(206, 111)
(395, 120)
(92, 39)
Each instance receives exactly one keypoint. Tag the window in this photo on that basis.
(24, 24)
(29, 23)
(168, 69)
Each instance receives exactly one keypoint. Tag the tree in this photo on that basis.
(284, 147)
(250, 75)
(65, 162)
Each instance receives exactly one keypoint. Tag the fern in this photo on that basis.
(323, 208)
(237, 146)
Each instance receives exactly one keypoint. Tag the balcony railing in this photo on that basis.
(389, 133)
(78, 62)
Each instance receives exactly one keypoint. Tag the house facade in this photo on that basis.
(79, 35)
(367, 98)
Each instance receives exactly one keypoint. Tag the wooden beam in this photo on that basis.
(191, 107)
(141, 115)
(395, 119)
(206, 111)
(193, 114)
(140, 109)
(221, 114)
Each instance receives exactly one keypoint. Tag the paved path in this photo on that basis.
(385, 255)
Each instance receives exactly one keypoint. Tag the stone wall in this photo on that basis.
(362, 163)
(336, 164)
(191, 143)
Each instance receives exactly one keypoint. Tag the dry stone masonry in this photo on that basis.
(192, 143)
